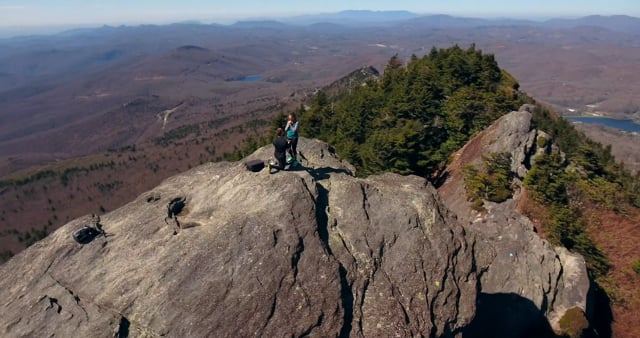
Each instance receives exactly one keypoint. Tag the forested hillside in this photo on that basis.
(575, 186)
(417, 114)
(585, 200)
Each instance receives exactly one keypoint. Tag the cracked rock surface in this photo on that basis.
(311, 252)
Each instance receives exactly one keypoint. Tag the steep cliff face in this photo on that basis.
(313, 252)
(542, 281)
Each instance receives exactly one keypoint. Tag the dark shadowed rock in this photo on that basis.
(312, 252)
(535, 274)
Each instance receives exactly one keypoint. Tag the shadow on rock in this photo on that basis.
(439, 180)
(323, 173)
(599, 308)
(507, 315)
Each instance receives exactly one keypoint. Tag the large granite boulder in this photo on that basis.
(311, 252)
(526, 274)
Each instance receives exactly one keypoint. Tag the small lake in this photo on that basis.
(249, 78)
(624, 125)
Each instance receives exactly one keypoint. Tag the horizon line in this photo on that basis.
(56, 28)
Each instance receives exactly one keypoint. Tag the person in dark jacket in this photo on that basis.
(280, 149)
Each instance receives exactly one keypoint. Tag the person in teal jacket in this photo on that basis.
(292, 134)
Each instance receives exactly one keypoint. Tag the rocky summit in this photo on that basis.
(220, 251)
(310, 252)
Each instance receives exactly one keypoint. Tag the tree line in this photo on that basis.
(417, 114)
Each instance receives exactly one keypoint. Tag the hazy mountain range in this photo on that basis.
(365, 18)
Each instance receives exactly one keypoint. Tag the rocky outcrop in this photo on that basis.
(309, 252)
(387, 252)
(541, 281)
(358, 77)
(312, 252)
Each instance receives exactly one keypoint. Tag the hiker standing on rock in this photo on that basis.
(280, 145)
(292, 134)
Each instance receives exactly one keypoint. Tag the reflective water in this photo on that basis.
(625, 125)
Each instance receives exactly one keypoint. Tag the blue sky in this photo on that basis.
(21, 13)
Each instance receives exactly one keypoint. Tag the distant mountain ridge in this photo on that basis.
(353, 18)
(622, 23)
(368, 18)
